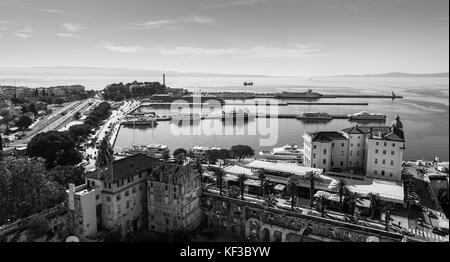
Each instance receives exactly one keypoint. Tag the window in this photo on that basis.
(314, 155)
(376, 160)
(118, 197)
(140, 175)
(377, 143)
(127, 193)
(342, 145)
(351, 144)
(390, 174)
(128, 204)
(104, 184)
(108, 199)
(324, 161)
(375, 172)
(314, 165)
(382, 172)
(351, 153)
(342, 163)
(384, 161)
(392, 152)
(151, 184)
(133, 190)
(324, 151)
(384, 152)
(165, 187)
(385, 143)
(359, 144)
(350, 162)
(175, 189)
(376, 151)
(118, 184)
(342, 153)
(359, 137)
(357, 153)
(332, 144)
(140, 187)
(357, 163)
(392, 162)
(97, 197)
(393, 144)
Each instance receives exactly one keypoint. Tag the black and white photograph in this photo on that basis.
(235, 122)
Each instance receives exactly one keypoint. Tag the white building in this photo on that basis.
(378, 151)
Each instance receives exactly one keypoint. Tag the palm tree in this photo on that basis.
(341, 188)
(387, 217)
(219, 174)
(374, 201)
(262, 180)
(312, 177)
(270, 201)
(353, 199)
(321, 202)
(241, 179)
(198, 167)
(292, 188)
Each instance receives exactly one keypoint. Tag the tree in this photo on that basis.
(293, 191)
(77, 115)
(80, 132)
(387, 208)
(262, 181)
(341, 188)
(44, 94)
(38, 227)
(212, 155)
(105, 153)
(374, 201)
(321, 203)
(64, 175)
(224, 154)
(352, 200)
(26, 188)
(165, 156)
(312, 177)
(57, 148)
(6, 117)
(24, 122)
(32, 109)
(241, 180)
(36, 92)
(242, 151)
(219, 174)
(270, 201)
(179, 151)
(59, 100)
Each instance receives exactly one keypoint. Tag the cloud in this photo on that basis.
(72, 27)
(172, 23)
(259, 52)
(236, 3)
(21, 35)
(121, 49)
(66, 35)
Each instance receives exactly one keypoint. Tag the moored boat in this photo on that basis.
(287, 152)
(367, 116)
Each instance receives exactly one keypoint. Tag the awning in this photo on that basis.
(279, 187)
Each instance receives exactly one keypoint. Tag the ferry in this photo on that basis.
(156, 150)
(314, 116)
(201, 152)
(309, 94)
(248, 83)
(367, 116)
(287, 152)
(149, 120)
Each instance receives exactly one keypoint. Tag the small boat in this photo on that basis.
(367, 116)
(314, 116)
(248, 83)
(287, 152)
(237, 114)
(156, 151)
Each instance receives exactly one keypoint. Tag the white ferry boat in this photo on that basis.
(287, 152)
(187, 116)
(367, 116)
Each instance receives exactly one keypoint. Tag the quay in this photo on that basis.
(252, 95)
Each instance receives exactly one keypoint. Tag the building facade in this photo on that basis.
(377, 151)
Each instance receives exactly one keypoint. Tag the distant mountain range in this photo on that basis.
(397, 74)
(99, 71)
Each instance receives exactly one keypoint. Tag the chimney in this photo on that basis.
(164, 79)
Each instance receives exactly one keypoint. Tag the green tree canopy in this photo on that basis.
(24, 122)
(242, 151)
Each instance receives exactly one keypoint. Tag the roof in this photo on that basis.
(388, 191)
(126, 167)
(326, 136)
(170, 173)
(381, 132)
(289, 168)
(353, 130)
(235, 169)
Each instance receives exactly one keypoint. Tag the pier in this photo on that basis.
(252, 95)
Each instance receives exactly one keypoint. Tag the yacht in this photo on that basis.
(367, 116)
(287, 152)
(237, 114)
(187, 117)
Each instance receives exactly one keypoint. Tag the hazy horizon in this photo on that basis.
(238, 37)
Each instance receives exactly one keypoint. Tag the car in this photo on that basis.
(438, 231)
(432, 215)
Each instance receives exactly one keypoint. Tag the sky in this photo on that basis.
(270, 37)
